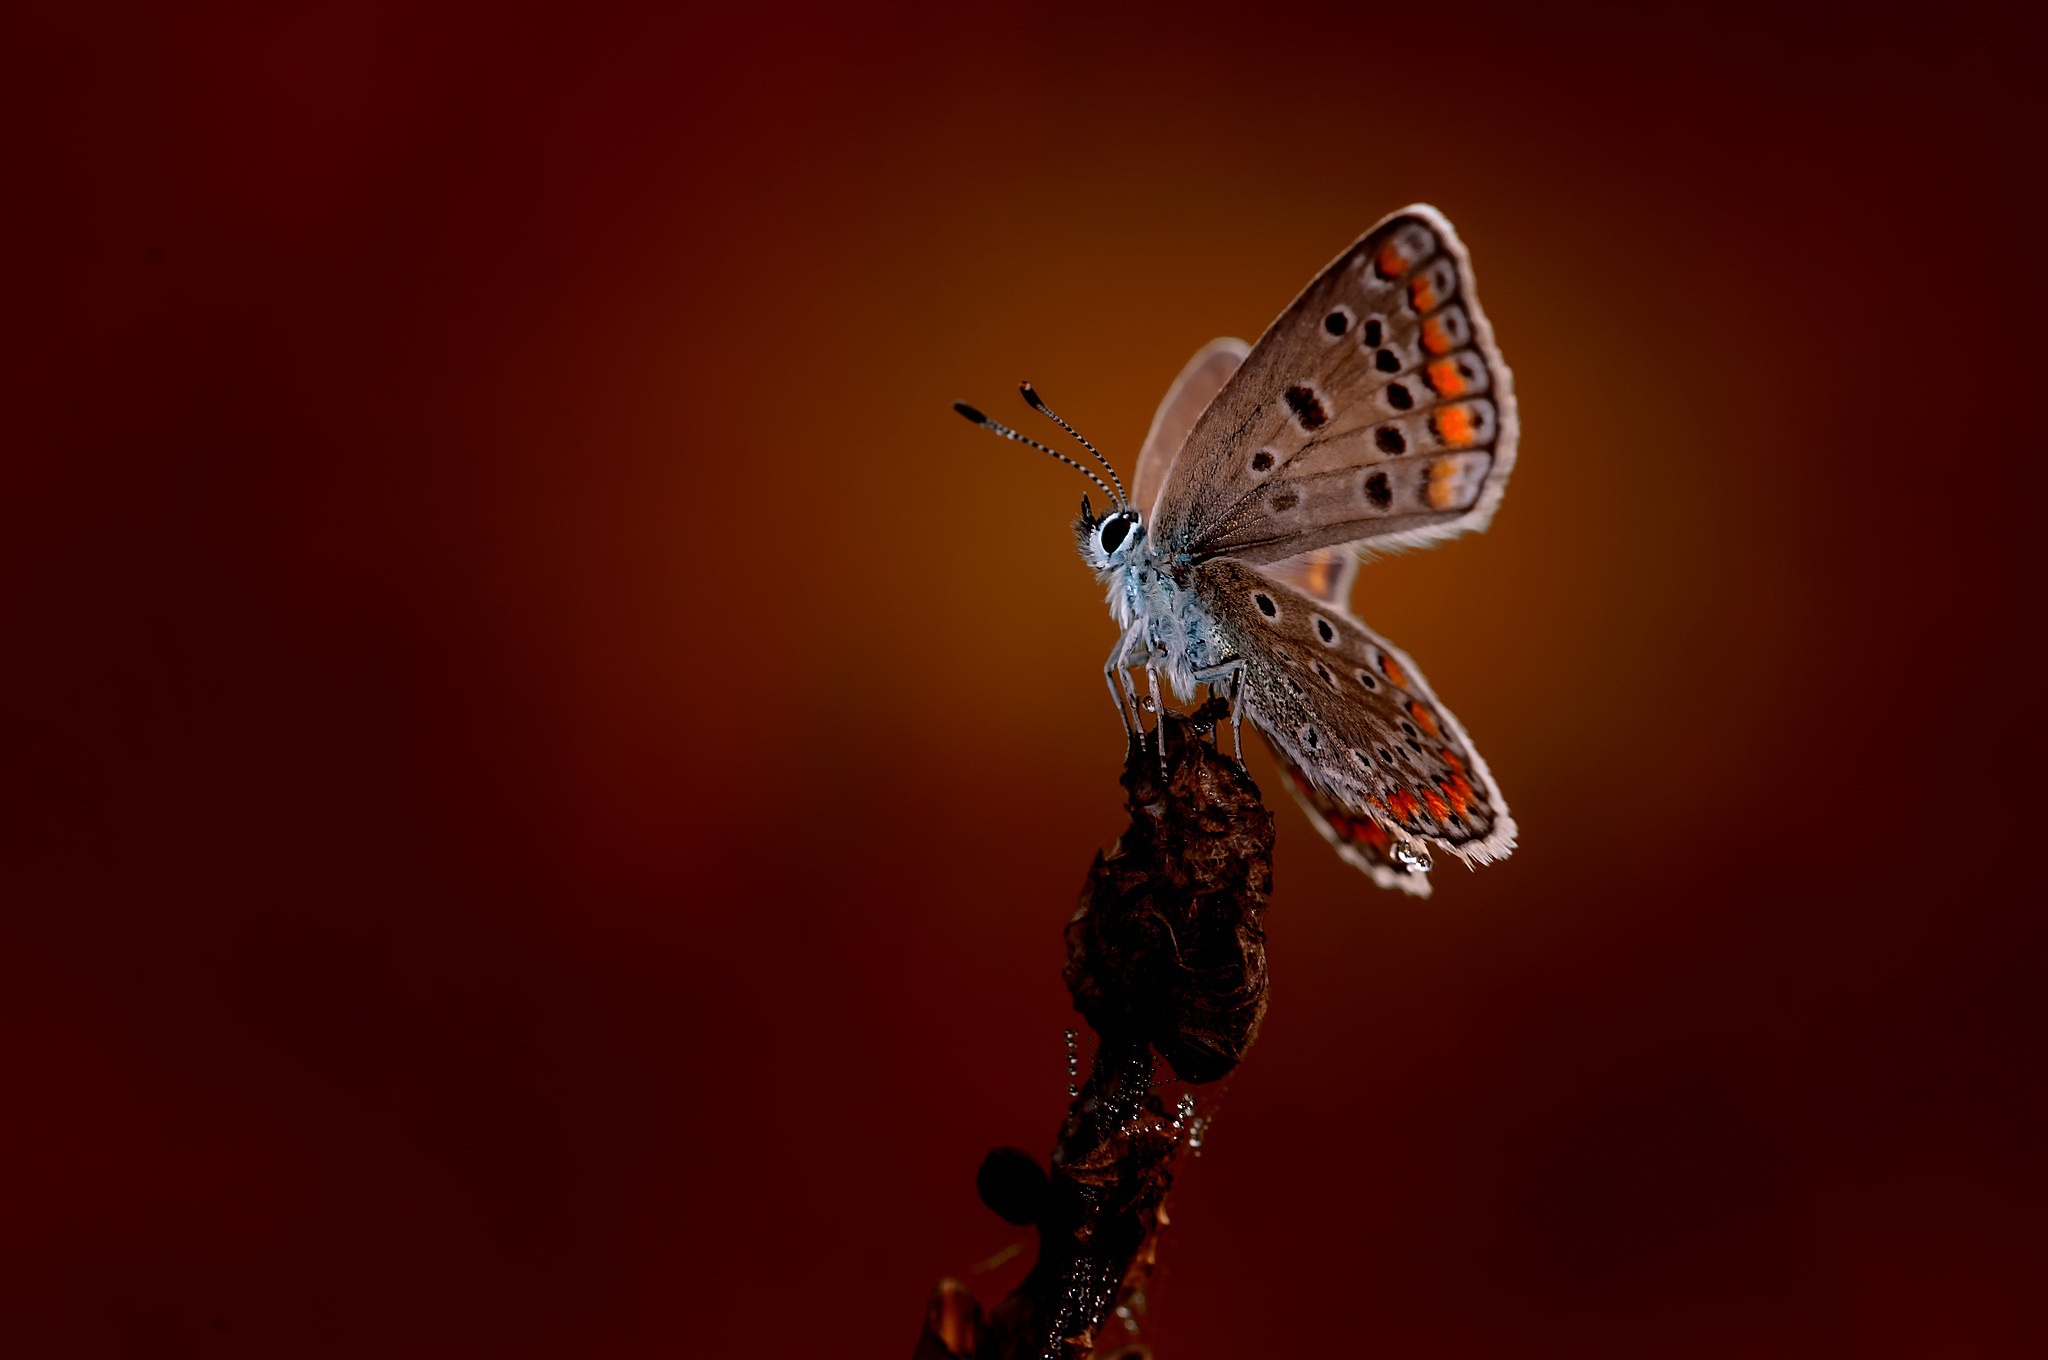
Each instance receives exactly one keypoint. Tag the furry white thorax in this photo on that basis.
(1148, 590)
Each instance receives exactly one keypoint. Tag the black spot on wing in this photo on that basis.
(1307, 407)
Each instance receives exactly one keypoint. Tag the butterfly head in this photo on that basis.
(1109, 542)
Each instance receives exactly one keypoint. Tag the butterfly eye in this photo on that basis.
(1114, 530)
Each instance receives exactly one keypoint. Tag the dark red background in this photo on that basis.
(543, 769)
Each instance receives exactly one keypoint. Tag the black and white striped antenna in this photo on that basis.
(997, 427)
(1038, 404)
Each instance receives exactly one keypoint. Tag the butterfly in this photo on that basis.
(1375, 414)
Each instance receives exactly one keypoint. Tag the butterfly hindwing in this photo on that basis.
(1376, 411)
(1358, 840)
(1352, 713)
(1324, 574)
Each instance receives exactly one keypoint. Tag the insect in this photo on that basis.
(1374, 414)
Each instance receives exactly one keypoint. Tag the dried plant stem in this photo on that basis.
(1166, 962)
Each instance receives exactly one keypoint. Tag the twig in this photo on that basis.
(1166, 960)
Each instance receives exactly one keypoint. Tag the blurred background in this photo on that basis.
(542, 768)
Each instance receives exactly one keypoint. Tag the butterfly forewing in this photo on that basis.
(1326, 573)
(1352, 712)
(1376, 411)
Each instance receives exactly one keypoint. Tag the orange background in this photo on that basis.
(542, 768)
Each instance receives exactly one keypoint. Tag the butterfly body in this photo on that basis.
(1375, 414)
(1152, 599)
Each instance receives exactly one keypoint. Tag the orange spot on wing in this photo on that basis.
(1422, 294)
(1403, 804)
(1424, 719)
(1454, 425)
(1435, 338)
(1391, 261)
(1443, 484)
(1438, 808)
(1392, 669)
(1452, 759)
(1445, 379)
(1372, 834)
(1321, 574)
(1458, 793)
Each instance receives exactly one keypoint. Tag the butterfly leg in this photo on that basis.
(1235, 671)
(1123, 712)
(1158, 702)
(1116, 674)
(1237, 714)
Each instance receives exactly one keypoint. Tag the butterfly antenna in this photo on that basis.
(997, 427)
(1038, 405)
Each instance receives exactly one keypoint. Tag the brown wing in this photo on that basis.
(1353, 713)
(1359, 840)
(1376, 411)
(1326, 573)
(1199, 382)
